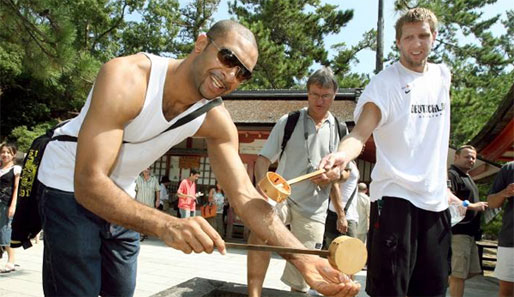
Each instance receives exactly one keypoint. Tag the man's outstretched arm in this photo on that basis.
(351, 145)
(256, 213)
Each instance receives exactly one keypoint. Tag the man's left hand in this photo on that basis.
(326, 280)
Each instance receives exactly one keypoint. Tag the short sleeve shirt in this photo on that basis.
(311, 200)
(504, 178)
(187, 187)
(145, 190)
(412, 136)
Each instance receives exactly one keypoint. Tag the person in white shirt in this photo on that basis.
(164, 197)
(407, 108)
(345, 224)
(363, 206)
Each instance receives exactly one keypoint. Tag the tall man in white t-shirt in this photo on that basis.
(407, 108)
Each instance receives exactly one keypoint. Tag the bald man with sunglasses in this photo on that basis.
(90, 218)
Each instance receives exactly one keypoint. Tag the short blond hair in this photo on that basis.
(414, 15)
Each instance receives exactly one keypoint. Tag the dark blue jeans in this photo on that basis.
(84, 255)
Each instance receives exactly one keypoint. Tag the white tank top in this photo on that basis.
(58, 163)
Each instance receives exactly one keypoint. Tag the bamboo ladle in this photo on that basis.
(345, 253)
(277, 188)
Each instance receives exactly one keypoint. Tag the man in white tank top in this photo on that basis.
(407, 108)
(88, 212)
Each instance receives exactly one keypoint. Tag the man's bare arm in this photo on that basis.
(157, 198)
(352, 144)
(117, 98)
(233, 178)
(255, 212)
(261, 167)
(496, 200)
(337, 201)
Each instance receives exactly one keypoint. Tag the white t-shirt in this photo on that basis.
(347, 189)
(412, 136)
(363, 209)
(164, 193)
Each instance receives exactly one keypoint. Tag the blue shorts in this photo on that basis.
(408, 250)
(84, 255)
(5, 225)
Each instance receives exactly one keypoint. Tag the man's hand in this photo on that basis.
(191, 234)
(333, 160)
(342, 224)
(326, 280)
(478, 206)
(328, 177)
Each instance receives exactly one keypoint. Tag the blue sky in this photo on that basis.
(365, 18)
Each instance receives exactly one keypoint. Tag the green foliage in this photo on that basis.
(196, 18)
(481, 63)
(156, 31)
(24, 136)
(491, 230)
(290, 36)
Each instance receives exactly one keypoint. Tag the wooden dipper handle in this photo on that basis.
(278, 249)
(305, 176)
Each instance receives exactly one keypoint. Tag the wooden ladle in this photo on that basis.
(345, 253)
(277, 188)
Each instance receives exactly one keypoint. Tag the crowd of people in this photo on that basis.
(93, 181)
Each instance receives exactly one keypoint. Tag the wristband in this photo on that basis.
(465, 203)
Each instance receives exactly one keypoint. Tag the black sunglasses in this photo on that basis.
(230, 60)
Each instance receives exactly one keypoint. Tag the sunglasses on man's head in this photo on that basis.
(230, 60)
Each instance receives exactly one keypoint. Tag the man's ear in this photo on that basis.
(434, 36)
(201, 43)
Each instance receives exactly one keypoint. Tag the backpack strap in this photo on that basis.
(342, 129)
(347, 206)
(292, 119)
(188, 118)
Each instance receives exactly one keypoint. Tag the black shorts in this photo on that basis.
(408, 250)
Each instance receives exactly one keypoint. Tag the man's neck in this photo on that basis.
(416, 68)
(318, 120)
(466, 171)
(179, 84)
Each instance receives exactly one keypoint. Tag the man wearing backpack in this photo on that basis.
(90, 219)
(314, 133)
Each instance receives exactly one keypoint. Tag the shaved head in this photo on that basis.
(221, 28)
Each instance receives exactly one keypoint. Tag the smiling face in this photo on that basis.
(213, 78)
(7, 155)
(415, 44)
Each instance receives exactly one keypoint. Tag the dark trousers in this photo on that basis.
(408, 250)
(84, 255)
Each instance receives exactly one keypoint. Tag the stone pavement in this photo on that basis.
(161, 267)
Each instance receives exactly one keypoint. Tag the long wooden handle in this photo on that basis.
(305, 176)
(278, 249)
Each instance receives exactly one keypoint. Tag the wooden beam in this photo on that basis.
(502, 143)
